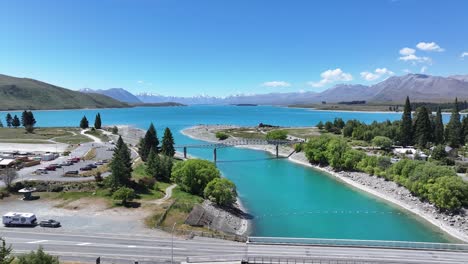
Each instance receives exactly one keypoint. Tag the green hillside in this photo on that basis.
(24, 93)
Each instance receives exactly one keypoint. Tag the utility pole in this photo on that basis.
(172, 244)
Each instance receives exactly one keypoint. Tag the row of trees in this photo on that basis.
(421, 128)
(150, 142)
(435, 183)
(84, 123)
(27, 121)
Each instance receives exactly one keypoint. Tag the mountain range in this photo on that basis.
(116, 93)
(24, 93)
(419, 87)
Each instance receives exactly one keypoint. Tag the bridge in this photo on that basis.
(238, 142)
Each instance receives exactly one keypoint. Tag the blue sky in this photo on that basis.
(221, 47)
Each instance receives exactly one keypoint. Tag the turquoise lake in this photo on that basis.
(284, 198)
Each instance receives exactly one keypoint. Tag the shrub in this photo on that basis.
(124, 195)
(37, 257)
(221, 191)
(382, 142)
(221, 135)
(277, 135)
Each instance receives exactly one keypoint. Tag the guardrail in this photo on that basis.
(358, 243)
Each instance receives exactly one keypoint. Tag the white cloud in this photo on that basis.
(377, 74)
(423, 69)
(406, 71)
(330, 76)
(407, 51)
(276, 84)
(140, 82)
(429, 46)
(464, 54)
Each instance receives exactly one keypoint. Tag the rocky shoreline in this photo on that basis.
(454, 225)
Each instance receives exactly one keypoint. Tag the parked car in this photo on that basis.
(49, 223)
(56, 165)
(41, 171)
(66, 163)
(105, 161)
(73, 172)
(87, 168)
(74, 160)
(50, 168)
(98, 163)
(91, 166)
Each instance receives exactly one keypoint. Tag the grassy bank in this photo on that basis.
(47, 135)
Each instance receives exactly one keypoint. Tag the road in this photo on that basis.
(146, 249)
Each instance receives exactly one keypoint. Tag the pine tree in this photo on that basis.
(97, 121)
(464, 129)
(422, 127)
(453, 131)
(9, 120)
(438, 128)
(16, 122)
(6, 253)
(28, 121)
(149, 142)
(1, 123)
(406, 127)
(153, 164)
(167, 147)
(121, 165)
(84, 123)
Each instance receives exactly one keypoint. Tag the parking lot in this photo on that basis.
(103, 152)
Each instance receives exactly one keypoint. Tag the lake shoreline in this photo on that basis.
(454, 225)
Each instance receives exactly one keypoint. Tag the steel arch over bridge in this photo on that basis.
(239, 142)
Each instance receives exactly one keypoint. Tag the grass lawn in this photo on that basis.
(98, 133)
(42, 135)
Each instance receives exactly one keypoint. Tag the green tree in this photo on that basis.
(97, 121)
(221, 191)
(382, 142)
(221, 135)
(84, 123)
(339, 123)
(336, 150)
(422, 127)
(277, 135)
(167, 146)
(193, 175)
(406, 126)
(438, 128)
(449, 193)
(9, 120)
(439, 153)
(5, 253)
(37, 257)
(153, 164)
(16, 122)
(320, 125)
(115, 130)
(352, 158)
(120, 166)
(150, 141)
(123, 195)
(453, 131)
(315, 149)
(464, 130)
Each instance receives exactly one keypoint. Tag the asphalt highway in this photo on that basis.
(114, 248)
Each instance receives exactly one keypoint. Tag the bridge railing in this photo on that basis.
(358, 243)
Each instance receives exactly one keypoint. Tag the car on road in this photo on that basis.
(73, 172)
(49, 223)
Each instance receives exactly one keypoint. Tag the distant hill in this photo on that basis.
(119, 94)
(160, 104)
(24, 93)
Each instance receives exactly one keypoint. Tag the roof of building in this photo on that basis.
(6, 162)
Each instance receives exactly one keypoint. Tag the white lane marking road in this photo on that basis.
(37, 241)
(131, 246)
(83, 244)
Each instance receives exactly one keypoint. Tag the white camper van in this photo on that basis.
(19, 219)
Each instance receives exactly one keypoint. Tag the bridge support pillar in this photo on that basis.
(214, 155)
(277, 151)
(185, 152)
